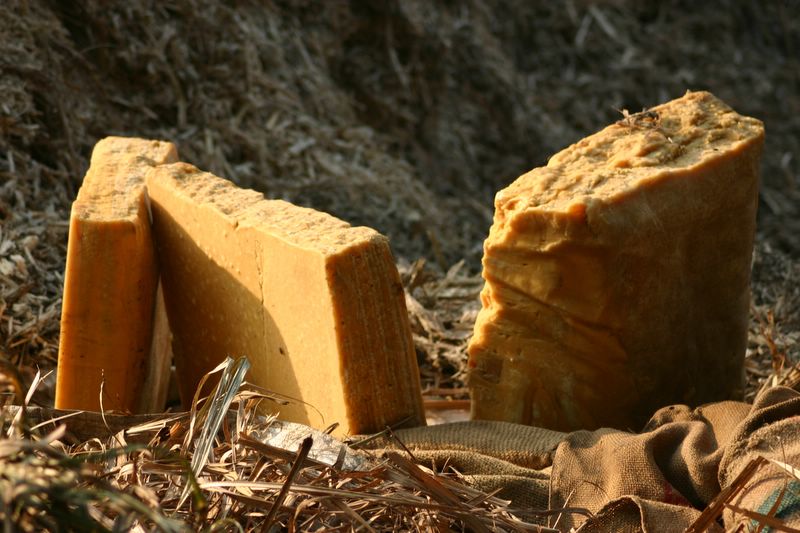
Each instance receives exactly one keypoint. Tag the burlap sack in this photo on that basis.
(771, 430)
(657, 480)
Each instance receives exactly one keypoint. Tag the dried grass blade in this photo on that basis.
(789, 469)
(15, 423)
(232, 377)
(347, 510)
(162, 522)
(54, 420)
(393, 499)
(54, 435)
(439, 491)
(273, 452)
(714, 509)
(156, 424)
(776, 505)
(302, 453)
(196, 415)
(252, 501)
(771, 521)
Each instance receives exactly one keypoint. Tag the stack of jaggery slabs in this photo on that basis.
(114, 331)
(617, 276)
(315, 304)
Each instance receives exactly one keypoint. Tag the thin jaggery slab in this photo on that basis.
(617, 276)
(315, 304)
(113, 322)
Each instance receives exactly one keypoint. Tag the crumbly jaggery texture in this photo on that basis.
(110, 286)
(617, 276)
(315, 304)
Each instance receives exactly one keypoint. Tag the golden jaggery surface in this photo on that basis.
(110, 285)
(315, 304)
(114, 182)
(617, 276)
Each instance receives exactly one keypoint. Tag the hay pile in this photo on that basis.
(403, 115)
(223, 467)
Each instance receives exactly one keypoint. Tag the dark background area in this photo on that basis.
(403, 115)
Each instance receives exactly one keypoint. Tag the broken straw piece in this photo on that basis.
(113, 323)
(315, 304)
(617, 276)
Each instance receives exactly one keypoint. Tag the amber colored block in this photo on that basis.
(617, 276)
(110, 286)
(315, 304)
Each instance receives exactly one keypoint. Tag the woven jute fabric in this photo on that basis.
(771, 430)
(494, 456)
(656, 480)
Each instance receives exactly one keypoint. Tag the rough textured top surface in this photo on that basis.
(116, 177)
(677, 135)
(302, 227)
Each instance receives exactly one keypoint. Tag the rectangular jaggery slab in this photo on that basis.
(617, 276)
(315, 304)
(113, 324)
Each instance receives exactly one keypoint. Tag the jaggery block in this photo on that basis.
(315, 304)
(158, 370)
(110, 286)
(617, 276)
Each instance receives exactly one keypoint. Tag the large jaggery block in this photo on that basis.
(315, 304)
(110, 286)
(617, 276)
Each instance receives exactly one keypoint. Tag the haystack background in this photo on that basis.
(403, 115)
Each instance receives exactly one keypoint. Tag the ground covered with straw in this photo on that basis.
(403, 115)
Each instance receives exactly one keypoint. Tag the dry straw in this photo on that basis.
(214, 469)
